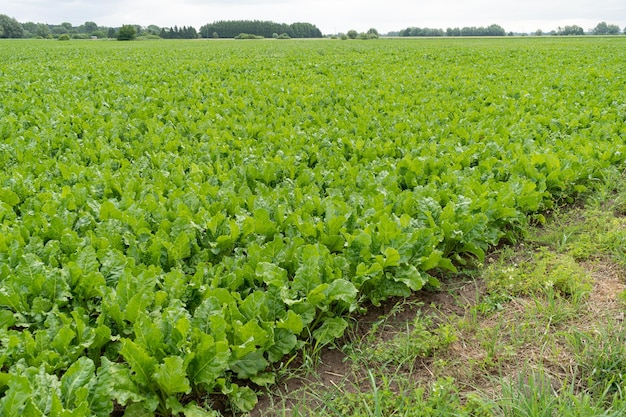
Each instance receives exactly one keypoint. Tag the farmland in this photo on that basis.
(178, 219)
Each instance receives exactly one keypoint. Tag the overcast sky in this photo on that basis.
(330, 16)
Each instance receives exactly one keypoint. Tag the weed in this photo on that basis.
(531, 395)
(601, 359)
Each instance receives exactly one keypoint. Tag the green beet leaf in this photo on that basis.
(79, 376)
(341, 289)
(271, 274)
(249, 365)
(7, 319)
(411, 277)
(14, 400)
(292, 322)
(253, 306)
(330, 330)
(148, 334)
(138, 410)
(244, 398)
(9, 197)
(193, 410)
(141, 363)
(285, 341)
(392, 257)
(119, 382)
(171, 376)
(210, 360)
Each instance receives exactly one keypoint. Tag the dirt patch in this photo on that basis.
(604, 303)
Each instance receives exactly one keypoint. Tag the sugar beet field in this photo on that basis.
(179, 219)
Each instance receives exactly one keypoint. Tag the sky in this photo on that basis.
(330, 16)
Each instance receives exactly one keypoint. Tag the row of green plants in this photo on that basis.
(535, 331)
(176, 223)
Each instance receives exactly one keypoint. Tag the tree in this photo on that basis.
(90, 27)
(372, 34)
(10, 28)
(352, 34)
(153, 30)
(29, 29)
(191, 33)
(58, 30)
(495, 30)
(42, 30)
(127, 33)
(601, 29)
(570, 30)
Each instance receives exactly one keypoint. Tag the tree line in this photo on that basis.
(492, 30)
(267, 29)
(601, 28)
(11, 28)
(186, 32)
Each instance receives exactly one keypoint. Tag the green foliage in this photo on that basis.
(544, 271)
(42, 30)
(420, 339)
(604, 29)
(90, 27)
(265, 29)
(248, 36)
(491, 30)
(415, 31)
(397, 397)
(127, 33)
(178, 33)
(163, 238)
(372, 33)
(10, 28)
(601, 359)
(570, 30)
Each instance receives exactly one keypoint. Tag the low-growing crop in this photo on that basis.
(177, 222)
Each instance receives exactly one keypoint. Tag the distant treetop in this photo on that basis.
(10, 28)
